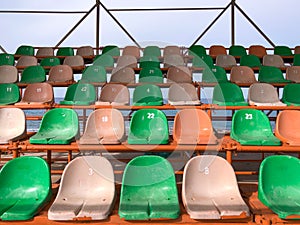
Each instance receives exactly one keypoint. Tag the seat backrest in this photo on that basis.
(10, 94)
(124, 75)
(45, 52)
(26, 60)
(282, 50)
(149, 61)
(111, 50)
(293, 73)
(7, 59)
(273, 60)
(33, 74)
(173, 60)
(50, 61)
(147, 94)
(127, 61)
(237, 50)
(296, 60)
(152, 50)
(65, 51)
(150, 75)
(250, 60)
(179, 74)
(242, 75)
(132, 50)
(171, 50)
(61, 73)
(8, 74)
(94, 73)
(263, 93)
(291, 94)
(114, 94)
(80, 92)
(74, 61)
(271, 74)
(105, 60)
(197, 50)
(25, 50)
(215, 50)
(202, 61)
(183, 94)
(225, 61)
(38, 93)
(214, 74)
(85, 51)
(258, 50)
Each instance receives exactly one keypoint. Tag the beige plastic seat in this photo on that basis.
(216, 50)
(127, 61)
(242, 75)
(183, 94)
(45, 52)
(179, 74)
(25, 61)
(124, 75)
(287, 127)
(293, 73)
(132, 50)
(173, 60)
(86, 191)
(258, 50)
(60, 73)
(13, 125)
(171, 50)
(104, 126)
(8, 74)
(85, 51)
(114, 94)
(76, 62)
(193, 126)
(263, 94)
(37, 94)
(273, 60)
(225, 61)
(210, 189)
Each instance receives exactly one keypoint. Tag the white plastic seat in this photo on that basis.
(87, 190)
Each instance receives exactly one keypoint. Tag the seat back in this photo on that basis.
(132, 50)
(273, 60)
(38, 93)
(50, 61)
(282, 50)
(111, 50)
(242, 75)
(202, 61)
(171, 50)
(237, 50)
(258, 50)
(293, 73)
(65, 51)
(214, 74)
(85, 51)
(179, 74)
(45, 52)
(74, 61)
(150, 75)
(25, 61)
(216, 50)
(25, 50)
(80, 94)
(114, 94)
(10, 94)
(291, 94)
(124, 75)
(173, 60)
(296, 60)
(193, 126)
(7, 59)
(105, 60)
(127, 61)
(197, 50)
(152, 50)
(225, 61)
(183, 94)
(250, 60)
(149, 61)
(61, 73)
(271, 74)
(95, 74)
(8, 74)
(33, 74)
(147, 94)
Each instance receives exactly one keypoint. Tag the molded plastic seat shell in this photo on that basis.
(94, 74)
(25, 61)
(282, 50)
(197, 50)
(114, 94)
(80, 94)
(237, 50)
(111, 50)
(250, 60)
(203, 62)
(173, 60)
(214, 74)
(147, 95)
(258, 50)
(242, 75)
(228, 94)
(7, 59)
(124, 75)
(25, 50)
(8, 74)
(179, 74)
(293, 73)
(105, 60)
(271, 74)
(151, 75)
(45, 52)
(291, 94)
(149, 61)
(33, 74)
(171, 50)
(273, 60)
(215, 50)
(225, 61)
(132, 50)
(9, 94)
(127, 61)
(152, 50)
(60, 73)
(183, 94)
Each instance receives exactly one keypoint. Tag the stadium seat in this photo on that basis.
(263, 94)
(25, 61)
(94, 74)
(104, 126)
(147, 95)
(296, 60)
(132, 50)
(273, 60)
(203, 61)
(152, 50)
(58, 126)
(65, 51)
(183, 94)
(8, 74)
(37, 94)
(151, 75)
(194, 127)
(237, 50)
(33, 74)
(114, 94)
(271, 74)
(85, 52)
(216, 50)
(258, 50)
(197, 50)
(94, 199)
(252, 127)
(173, 60)
(10, 94)
(288, 126)
(278, 185)
(61, 73)
(225, 61)
(7, 59)
(80, 94)
(242, 75)
(293, 73)
(25, 50)
(13, 125)
(250, 60)
(297, 50)
(148, 126)
(76, 62)
(105, 60)
(124, 75)
(25, 186)
(214, 74)
(179, 74)
(144, 176)
(48, 62)
(149, 61)
(291, 94)
(282, 50)
(228, 94)
(111, 50)
(127, 61)
(171, 50)
(45, 52)
(210, 189)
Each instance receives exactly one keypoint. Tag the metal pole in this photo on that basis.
(2, 49)
(98, 28)
(232, 23)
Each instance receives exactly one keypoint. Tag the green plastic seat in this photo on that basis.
(25, 188)
(7, 59)
(296, 60)
(25, 50)
(149, 190)
(50, 61)
(271, 74)
(237, 50)
(111, 50)
(148, 126)
(33, 74)
(149, 61)
(252, 127)
(291, 94)
(79, 94)
(203, 61)
(152, 50)
(9, 94)
(228, 94)
(197, 50)
(105, 60)
(94, 73)
(65, 51)
(147, 94)
(279, 185)
(58, 126)
(250, 61)
(214, 74)
(151, 75)
(282, 50)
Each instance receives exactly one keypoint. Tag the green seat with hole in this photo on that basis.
(58, 126)
(148, 126)
(291, 94)
(149, 190)
(80, 94)
(147, 95)
(252, 127)
(271, 74)
(95, 74)
(25, 188)
(214, 74)
(9, 94)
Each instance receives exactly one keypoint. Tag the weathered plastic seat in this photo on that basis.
(33, 74)
(127, 61)
(105, 60)
(202, 62)
(197, 50)
(148, 126)
(13, 125)
(228, 94)
(151, 75)
(173, 60)
(278, 185)
(242, 75)
(225, 61)
(152, 50)
(111, 50)
(37, 94)
(179, 74)
(93, 73)
(258, 50)
(291, 94)
(183, 94)
(149, 61)
(193, 126)
(271, 74)
(132, 50)
(25, 50)
(149, 190)
(7, 59)
(293, 73)
(214, 74)
(93, 199)
(215, 50)
(124, 75)
(45, 52)
(25, 61)
(79, 94)
(288, 127)
(58, 126)
(49, 62)
(237, 50)
(85, 52)
(60, 73)
(282, 50)
(9, 94)
(8, 74)
(114, 94)
(147, 94)
(104, 126)
(210, 189)
(250, 60)
(76, 62)
(252, 127)
(263, 94)
(65, 51)
(273, 60)
(25, 188)
(171, 50)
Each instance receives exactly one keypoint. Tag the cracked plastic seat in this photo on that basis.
(151, 75)
(210, 189)
(291, 94)
(149, 190)
(25, 188)
(148, 126)
(9, 94)
(93, 199)
(278, 185)
(183, 94)
(114, 94)
(214, 74)
(8, 74)
(79, 94)
(252, 127)
(58, 126)
(104, 126)
(147, 94)
(13, 125)
(33, 74)
(193, 126)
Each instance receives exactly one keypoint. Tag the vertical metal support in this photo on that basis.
(232, 22)
(98, 28)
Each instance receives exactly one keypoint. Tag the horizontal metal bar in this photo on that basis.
(40, 12)
(166, 9)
